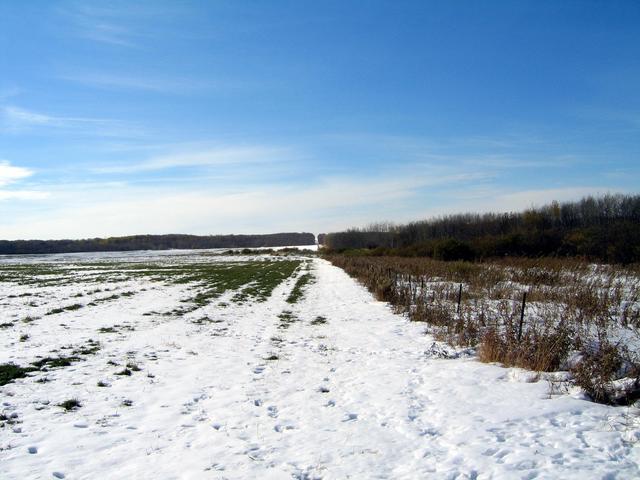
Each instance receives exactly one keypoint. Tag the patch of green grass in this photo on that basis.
(71, 404)
(115, 328)
(10, 371)
(272, 357)
(298, 289)
(204, 320)
(124, 372)
(31, 274)
(54, 362)
(92, 347)
(102, 384)
(24, 337)
(267, 276)
(107, 330)
(75, 306)
(287, 318)
(253, 280)
(319, 320)
(115, 296)
(6, 325)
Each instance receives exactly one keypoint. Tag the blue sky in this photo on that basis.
(213, 117)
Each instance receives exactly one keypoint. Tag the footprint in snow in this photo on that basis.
(350, 417)
(215, 466)
(58, 474)
(254, 452)
(32, 450)
(282, 428)
(200, 396)
(272, 411)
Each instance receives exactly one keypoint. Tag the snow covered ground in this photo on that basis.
(334, 386)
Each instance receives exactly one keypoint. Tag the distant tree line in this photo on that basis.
(605, 228)
(154, 242)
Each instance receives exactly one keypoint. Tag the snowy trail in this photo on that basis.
(349, 395)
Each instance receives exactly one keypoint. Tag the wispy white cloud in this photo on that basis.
(18, 117)
(238, 191)
(23, 195)
(100, 23)
(149, 83)
(409, 143)
(118, 23)
(15, 119)
(216, 156)
(10, 174)
(327, 203)
(500, 152)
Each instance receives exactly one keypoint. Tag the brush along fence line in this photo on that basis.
(544, 315)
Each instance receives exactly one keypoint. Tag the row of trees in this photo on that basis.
(604, 228)
(155, 242)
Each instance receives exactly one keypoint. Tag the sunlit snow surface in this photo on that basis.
(334, 386)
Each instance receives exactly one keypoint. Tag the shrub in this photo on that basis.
(71, 404)
(597, 370)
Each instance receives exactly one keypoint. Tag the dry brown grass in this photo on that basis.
(570, 305)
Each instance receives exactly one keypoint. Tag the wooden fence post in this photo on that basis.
(524, 303)
(459, 297)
